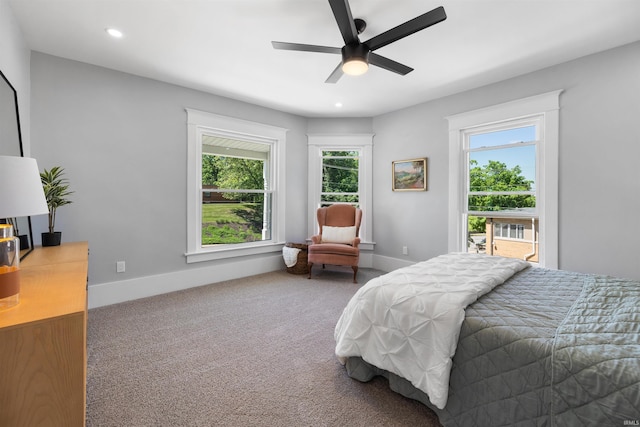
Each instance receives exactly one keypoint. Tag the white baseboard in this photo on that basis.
(141, 287)
(386, 263)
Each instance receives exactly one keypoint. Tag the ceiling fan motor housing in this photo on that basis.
(358, 51)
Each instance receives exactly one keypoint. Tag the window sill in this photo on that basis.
(231, 252)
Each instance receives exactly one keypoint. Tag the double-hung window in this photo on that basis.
(503, 180)
(340, 172)
(235, 203)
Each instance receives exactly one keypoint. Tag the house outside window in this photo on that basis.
(340, 171)
(517, 238)
(235, 199)
(503, 180)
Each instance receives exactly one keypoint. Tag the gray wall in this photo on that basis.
(14, 63)
(599, 154)
(340, 126)
(122, 141)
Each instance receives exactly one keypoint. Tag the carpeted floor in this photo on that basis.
(257, 351)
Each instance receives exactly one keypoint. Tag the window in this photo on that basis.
(340, 172)
(235, 202)
(237, 190)
(340, 177)
(503, 173)
(508, 231)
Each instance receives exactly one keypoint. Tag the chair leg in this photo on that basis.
(355, 272)
(309, 265)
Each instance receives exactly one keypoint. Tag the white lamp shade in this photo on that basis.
(21, 192)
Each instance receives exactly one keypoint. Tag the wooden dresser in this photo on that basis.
(43, 341)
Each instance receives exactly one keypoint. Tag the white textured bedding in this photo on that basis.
(408, 321)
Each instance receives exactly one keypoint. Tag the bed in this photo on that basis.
(485, 341)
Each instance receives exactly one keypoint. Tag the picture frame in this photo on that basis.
(409, 175)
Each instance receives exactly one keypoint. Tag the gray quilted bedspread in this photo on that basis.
(546, 348)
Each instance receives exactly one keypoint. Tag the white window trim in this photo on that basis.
(199, 122)
(548, 105)
(322, 142)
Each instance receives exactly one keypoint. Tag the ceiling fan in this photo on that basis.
(357, 55)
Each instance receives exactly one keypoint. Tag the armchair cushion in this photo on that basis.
(337, 249)
(338, 234)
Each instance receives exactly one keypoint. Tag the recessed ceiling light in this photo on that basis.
(338, 104)
(116, 34)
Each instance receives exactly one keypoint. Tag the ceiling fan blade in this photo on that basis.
(403, 30)
(342, 13)
(305, 47)
(389, 64)
(335, 75)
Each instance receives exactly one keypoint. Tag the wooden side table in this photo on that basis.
(43, 341)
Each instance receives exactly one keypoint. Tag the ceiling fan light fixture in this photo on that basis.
(355, 59)
(355, 67)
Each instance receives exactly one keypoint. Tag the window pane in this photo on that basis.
(236, 218)
(340, 175)
(503, 137)
(233, 173)
(503, 169)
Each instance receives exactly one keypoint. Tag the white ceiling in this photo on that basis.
(224, 46)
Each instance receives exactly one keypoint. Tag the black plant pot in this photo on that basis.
(51, 239)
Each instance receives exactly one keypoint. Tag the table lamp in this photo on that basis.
(21, 194)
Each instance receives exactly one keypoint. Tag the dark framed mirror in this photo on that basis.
(11, 145)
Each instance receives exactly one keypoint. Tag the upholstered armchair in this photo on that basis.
(337, 243)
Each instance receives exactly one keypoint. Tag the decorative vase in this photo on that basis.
(51, 239)
(9, 267)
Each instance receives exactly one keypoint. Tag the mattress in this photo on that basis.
(546, 347)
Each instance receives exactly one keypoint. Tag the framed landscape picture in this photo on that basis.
(410, 175)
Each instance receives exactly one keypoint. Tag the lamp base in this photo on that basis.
(9, 288)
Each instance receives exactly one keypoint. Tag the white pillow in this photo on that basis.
(338, 234)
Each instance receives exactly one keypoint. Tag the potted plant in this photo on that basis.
(56, 191)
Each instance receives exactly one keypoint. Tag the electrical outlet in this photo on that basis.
(120, 267)
(405, 250)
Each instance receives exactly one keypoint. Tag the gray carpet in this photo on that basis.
(257, 351)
